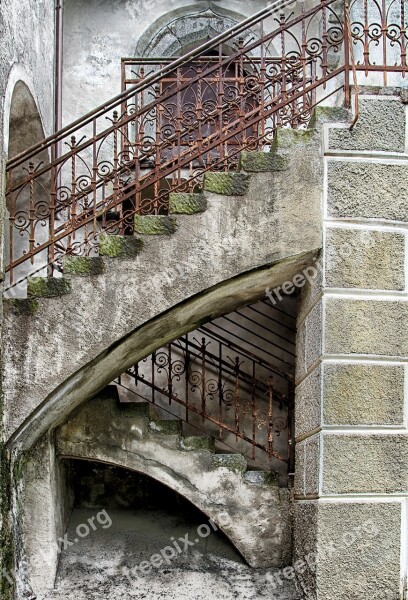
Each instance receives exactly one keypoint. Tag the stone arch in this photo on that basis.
(24, 129)
(184, 29)
(178, 320)
(17, 75)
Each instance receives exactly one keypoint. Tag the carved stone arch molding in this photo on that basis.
(186, 28)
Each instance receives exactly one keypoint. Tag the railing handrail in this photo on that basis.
(151, 79)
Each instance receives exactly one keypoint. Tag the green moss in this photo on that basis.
(170, 427)
(189, 204)
(22, 306)
(83, 265)
(232, 462)
(40, 287)
(197, 443)
(155, 224)
(227, 184)
(119, 246)
(260, 162)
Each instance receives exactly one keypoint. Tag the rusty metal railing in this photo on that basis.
(234, 393)
(182, 118)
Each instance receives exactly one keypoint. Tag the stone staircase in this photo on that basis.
(129, 435)
(260, 224)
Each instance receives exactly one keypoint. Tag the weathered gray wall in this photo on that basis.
(98, 33)
(27, 54)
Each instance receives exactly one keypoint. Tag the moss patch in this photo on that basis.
(40, 287)
(232, 462)
(260, 162)
(170, 427)
(83, 265)
(194, 442)
(227, 184)
(188, 204)
(119, 246)
(22, 306)
(155, 224)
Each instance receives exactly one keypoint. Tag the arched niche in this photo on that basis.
(26, 208)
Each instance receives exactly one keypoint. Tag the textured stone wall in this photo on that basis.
(351, 406)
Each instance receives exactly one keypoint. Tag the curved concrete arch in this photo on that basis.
(181, 319)
(61, 350)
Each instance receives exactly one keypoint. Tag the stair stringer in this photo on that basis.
(62, 350)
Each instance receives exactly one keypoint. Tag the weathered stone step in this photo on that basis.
(187, 204)
(227, 184)
(197, 442)
(232, 462)
(166, 426)
(260, 477)
(119, 246)
(83, 266)
(262, 162)
(155, 224)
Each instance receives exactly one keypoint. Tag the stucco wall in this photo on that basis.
(27, 54)
(98, 33)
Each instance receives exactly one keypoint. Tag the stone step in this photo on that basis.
(155, 224)
(262, 162)
(261, 478)
(83, 266)
(232, 462)
(187, 204)
(166, 426)
(197, 442)
(227, 184)
(119, 246)
(47, 287)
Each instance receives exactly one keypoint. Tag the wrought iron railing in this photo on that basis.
(185, 117)
(235, 384)
(222, 386)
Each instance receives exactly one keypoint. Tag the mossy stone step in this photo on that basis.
(232, 462)
(195, 442)
(155, 224)
(84, 266)
(287, 138)
(187, 204)
(51, 287)
(119, 246)
(227, 184)
(261, 478)
(134, 409)
(169, 427)
(263, 162)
